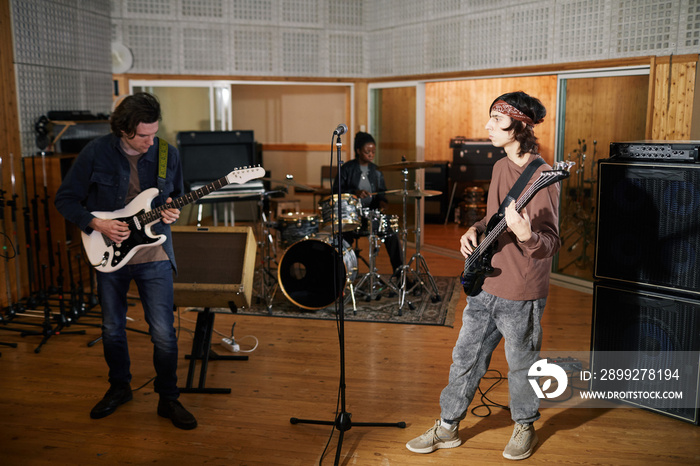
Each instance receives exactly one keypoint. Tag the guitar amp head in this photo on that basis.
(671, 151)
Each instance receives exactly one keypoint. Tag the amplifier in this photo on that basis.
(215, 266)
(473, 159)
(672, 151)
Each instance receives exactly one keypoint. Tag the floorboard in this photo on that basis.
(393, 373)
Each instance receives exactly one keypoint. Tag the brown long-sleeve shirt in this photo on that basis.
(522, 269)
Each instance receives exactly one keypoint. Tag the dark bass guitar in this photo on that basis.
(107, 256)
(478, 265)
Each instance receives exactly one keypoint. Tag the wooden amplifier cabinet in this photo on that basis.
(215, 266)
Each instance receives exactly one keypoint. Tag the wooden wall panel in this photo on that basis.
(605, 110)
(460, 108)
(9, 144)
(674, 88)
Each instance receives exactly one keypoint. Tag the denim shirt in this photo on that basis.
(350, 174)
(99, 180)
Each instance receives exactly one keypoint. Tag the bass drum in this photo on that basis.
(305, 272)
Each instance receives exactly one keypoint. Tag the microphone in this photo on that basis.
(341, 129)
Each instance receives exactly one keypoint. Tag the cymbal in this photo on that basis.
(408, 164)
(290, 182)
(414, 192)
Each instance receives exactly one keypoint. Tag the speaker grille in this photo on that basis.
(648, 331)
(648, 229)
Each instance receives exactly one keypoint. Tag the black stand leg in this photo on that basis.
(201, 350)
(343, 421)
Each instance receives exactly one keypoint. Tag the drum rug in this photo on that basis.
(385, 309)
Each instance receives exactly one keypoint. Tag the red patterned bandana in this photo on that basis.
(505, 108)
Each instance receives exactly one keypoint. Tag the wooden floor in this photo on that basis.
(393, 373)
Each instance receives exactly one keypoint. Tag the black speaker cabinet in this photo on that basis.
(472, 160)
(648, 228)
(653, 335)
(215, 266)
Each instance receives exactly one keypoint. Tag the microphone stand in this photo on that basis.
(343, 421)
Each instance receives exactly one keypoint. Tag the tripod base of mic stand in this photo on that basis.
(343, 422)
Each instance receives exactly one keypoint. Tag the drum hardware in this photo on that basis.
(289, 181)
(406, 269)
(372, 278)
(405, 165)
(267, 246)
(418, 258)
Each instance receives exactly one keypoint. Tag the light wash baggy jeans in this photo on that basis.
(485, 320)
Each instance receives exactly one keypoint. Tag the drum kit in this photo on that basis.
(313, 271)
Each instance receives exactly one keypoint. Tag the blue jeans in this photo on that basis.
(155, 285)
(486, 319)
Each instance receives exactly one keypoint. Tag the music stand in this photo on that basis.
(343, 421)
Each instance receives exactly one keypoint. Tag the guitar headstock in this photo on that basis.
(558, 173)
(243, 175)
(564, 165)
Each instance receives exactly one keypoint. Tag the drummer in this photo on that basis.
(361, 177)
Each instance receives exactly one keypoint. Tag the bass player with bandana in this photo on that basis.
(510, 302)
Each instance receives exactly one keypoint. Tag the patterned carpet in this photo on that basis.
(386, 309)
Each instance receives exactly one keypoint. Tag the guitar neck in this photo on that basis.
(180, 202)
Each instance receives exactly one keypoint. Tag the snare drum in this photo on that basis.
(306, 272)
(295, 226)
(350, 212)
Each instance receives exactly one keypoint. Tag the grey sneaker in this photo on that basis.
(435, 438)
(522, 442)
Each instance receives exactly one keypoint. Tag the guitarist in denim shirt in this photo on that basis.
(107, 174)
(511, 300)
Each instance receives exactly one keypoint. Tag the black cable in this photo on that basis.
(14, 252)
(486, 402)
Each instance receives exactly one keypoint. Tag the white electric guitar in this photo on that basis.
(107, 256)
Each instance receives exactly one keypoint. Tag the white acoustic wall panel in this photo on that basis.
(205, 48)
(644, 27)
(253, 50)
(582, 30)
(689, 27)
(532, 39)
(62, 60)
(346, 54)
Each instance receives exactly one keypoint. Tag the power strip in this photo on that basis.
(230, 345)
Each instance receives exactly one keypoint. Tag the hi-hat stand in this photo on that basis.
(372, 279)
(268, 253)
(418, 257)
(405, 270)
(343, 421)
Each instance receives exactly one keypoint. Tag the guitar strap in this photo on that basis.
(162, 163)
(519, 185)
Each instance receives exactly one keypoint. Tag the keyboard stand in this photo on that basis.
(201, 350)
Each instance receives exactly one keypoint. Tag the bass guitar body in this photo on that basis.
(475, 273)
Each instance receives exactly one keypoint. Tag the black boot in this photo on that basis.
(116, 396)
(173, 410)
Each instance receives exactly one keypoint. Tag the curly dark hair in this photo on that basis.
(141, 107)
(524, 133)
(362, 138)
